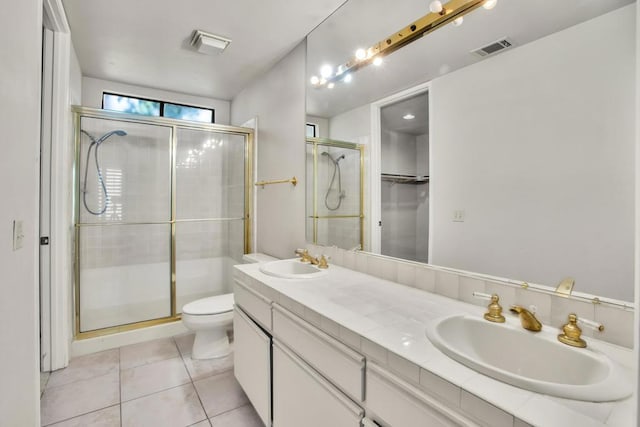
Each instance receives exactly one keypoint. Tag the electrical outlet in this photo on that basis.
(18, 235)
(458, 216)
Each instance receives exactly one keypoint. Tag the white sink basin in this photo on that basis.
(291, 269)
(533, 361)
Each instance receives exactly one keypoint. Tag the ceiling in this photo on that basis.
(146, 42)
(445, 50)
(392, 116)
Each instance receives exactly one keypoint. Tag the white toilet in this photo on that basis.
(211, 317)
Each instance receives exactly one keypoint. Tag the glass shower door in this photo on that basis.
(124, 223)
(210, 212)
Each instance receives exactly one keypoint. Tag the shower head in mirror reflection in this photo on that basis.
(341, 194)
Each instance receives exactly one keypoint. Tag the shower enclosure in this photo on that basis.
(334, 191)
(161, 216)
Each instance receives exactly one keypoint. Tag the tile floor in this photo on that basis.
(149, 384)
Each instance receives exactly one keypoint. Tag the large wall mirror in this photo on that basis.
(516, 163)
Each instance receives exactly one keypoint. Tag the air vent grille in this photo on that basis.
(494, 47)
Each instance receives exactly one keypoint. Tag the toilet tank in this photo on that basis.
(256, 257)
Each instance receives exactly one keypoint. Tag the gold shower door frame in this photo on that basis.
(173, 125)
(315, 142)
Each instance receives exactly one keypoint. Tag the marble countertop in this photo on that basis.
(394, 317)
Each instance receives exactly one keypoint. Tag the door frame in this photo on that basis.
(375, 188)
(56, 260)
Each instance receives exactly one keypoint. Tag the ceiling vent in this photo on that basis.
(493, 48)
(208, 43)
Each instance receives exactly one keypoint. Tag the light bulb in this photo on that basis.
(409, 116)
(435, 6)
(377, 61)
(326, 71)
(458, 21)
(490, 4)
(331, 85)
(347, 78)
(361, 54)
(315, 80)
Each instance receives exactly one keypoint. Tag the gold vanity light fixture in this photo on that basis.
(440, 15)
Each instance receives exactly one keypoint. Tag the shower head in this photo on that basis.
(107, 135)
(335, 161)
(103, 137)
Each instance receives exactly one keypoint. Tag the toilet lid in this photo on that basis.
(210, 305)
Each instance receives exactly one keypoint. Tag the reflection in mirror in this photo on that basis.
(334, 193)
(530, 149)
(404, 165)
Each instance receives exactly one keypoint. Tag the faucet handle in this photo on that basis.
(323, 261)
(571, 333)
(495, 309)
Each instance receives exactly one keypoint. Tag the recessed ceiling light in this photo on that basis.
(409, 116)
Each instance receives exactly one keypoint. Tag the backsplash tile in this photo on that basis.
(447, 284)
(406, 274)
(550, 309)
(618, 324)
(425, 278)
(469, 285)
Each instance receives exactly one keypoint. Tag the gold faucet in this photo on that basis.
(304, 256)
(527, 318)
(571, 333)
(321, 261)
(495, 310)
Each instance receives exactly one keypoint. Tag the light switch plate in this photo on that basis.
(458, 216)
(18, 235)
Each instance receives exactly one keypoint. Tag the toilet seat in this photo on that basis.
(207, 306)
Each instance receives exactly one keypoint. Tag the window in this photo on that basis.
(312, 130)
(149, 107)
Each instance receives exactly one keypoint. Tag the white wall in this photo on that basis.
(577, 155)
(20, 50)
(278, 100)
(92, 89)
(352, 126)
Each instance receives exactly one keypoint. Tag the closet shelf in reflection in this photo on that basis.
(405, 179)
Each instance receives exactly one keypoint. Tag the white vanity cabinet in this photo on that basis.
(302, 397)
(252, 352)
(252, 363)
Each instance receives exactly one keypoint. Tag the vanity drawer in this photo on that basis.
(254, 304)
(338, 363)
(302, 397)
(393, 402)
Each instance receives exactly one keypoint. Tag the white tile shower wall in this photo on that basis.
(550, 309)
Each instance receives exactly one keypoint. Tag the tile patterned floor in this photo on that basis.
(151, 384)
